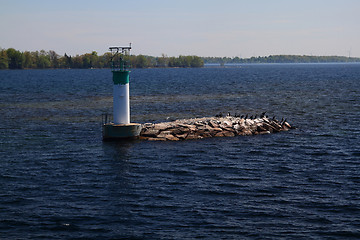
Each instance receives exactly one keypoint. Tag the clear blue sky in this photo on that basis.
(229, 28)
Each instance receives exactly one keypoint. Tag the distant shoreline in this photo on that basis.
(14, 59)
(275, 63)
(206, 65)
(281, 59)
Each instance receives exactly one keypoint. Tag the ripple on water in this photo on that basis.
(59, 180)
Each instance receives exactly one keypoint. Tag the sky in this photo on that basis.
(226, 28)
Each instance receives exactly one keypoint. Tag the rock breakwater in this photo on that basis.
(198, 128)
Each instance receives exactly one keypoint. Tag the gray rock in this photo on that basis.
(199, 128)
(149, 132)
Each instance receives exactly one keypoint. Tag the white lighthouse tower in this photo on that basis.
(121, 127)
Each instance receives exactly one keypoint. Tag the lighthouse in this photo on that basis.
(121, 97)
(121, 127)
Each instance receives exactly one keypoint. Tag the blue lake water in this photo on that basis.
(58, 180)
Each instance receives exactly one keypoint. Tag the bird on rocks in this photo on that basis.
(242, 116)
(228, 114)
(246, 116)
(255, 116)
(262, 115)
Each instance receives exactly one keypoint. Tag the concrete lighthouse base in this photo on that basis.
(113, 131)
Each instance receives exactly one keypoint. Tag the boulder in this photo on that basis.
(199, 123)
(179, 130)
(207, 135)
(228, 123)
(171, 138)
(156, 139)
(192, 128)
(162, 126)
(192, 136)
(286, 124)
(149, 132)
(229, 129)
(143, 138)
(275, 126)
(200, 131)
(268, 127)
(228, 134)
(238, 127)
(181, 136)
(163, 134)
(264, 132)
(249, 122)
(285, 128)
(261, 128)
(219, 134)
(246, 132)
(225, 124)
(213, 124)
(183, 125)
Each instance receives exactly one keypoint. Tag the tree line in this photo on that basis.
(280, 59)
(14, 59)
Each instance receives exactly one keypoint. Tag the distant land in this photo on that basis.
(15, 59)
(280, 59)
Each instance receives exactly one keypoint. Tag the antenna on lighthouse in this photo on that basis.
(117, 57)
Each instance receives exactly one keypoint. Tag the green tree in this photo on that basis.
(54, 59)
(4, 61)
(174, 62)
(185, 61)
(86, 61)
(162, 61)
(196, 62)
(66, 61)
(94, 59)
(141, 61)
(43, 60)
(105, 60)
(16, 59)
(28, 60)
(77, 62)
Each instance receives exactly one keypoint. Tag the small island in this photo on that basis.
(207, 127)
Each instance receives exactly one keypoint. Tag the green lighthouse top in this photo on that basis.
(119, 57)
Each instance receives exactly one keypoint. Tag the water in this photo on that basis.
(58, 180)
